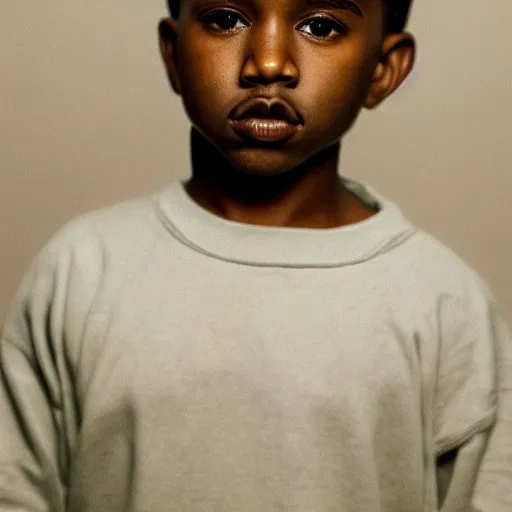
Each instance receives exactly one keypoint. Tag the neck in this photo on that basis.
(311, 196)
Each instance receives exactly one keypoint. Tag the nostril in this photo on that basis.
(290, 79)
(253, 80)
(261, 79)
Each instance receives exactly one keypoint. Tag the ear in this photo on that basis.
(168, 37)
(398, 53)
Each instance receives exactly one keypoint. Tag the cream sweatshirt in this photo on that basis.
(159, 358)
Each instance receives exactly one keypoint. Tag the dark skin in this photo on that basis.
(327, 61)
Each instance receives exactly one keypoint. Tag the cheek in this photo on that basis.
(209, 77)
(336, 85)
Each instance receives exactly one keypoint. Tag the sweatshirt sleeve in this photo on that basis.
(473, 411)
(33, 430)
(493, 489)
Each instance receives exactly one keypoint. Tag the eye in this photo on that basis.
(322, 27)
(224, 20)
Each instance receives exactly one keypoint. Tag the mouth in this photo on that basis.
(267, 120)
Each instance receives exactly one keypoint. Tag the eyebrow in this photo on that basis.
(346, 5)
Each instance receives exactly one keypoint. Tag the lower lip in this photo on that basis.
(264, 130)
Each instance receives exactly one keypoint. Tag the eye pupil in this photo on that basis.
(321, 28)
(226, 20)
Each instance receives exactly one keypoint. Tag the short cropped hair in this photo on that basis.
(397, 13)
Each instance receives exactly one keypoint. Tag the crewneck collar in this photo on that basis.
(257, 245)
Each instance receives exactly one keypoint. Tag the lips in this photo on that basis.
(265, 120)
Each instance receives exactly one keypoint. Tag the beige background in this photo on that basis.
(87, 119)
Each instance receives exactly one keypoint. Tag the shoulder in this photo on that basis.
(92, 240)
(458, 311)
(118, 223)
(438, 294)
(430, 265)
(68, 271)
(92, 243)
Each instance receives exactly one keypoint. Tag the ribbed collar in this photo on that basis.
(256, 245)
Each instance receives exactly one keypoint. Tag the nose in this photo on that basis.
(269, 56)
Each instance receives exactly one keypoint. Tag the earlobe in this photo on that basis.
(395, 64)
(168, 38)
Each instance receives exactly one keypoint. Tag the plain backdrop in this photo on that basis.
(88, 119)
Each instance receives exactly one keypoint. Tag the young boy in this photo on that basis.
(269, 335)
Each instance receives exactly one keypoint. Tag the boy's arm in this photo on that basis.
(29, 472)
(33, 450)
(493, 489)
(476, 374)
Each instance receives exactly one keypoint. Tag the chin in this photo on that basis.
(264, 162)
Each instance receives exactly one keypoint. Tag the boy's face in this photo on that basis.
(272, 83)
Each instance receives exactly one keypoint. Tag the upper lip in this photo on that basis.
(269, 108)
